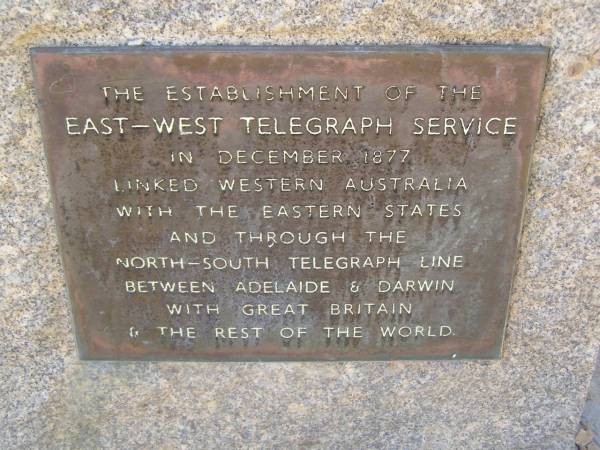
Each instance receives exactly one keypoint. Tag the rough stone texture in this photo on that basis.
(532, 398)
(590, 419)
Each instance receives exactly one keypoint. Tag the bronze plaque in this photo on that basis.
(272, 203)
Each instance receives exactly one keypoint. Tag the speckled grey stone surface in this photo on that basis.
(532, 398)
(590, 419)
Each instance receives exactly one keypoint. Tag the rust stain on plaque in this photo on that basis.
(207, 212)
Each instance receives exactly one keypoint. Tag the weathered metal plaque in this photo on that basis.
(289, 203)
